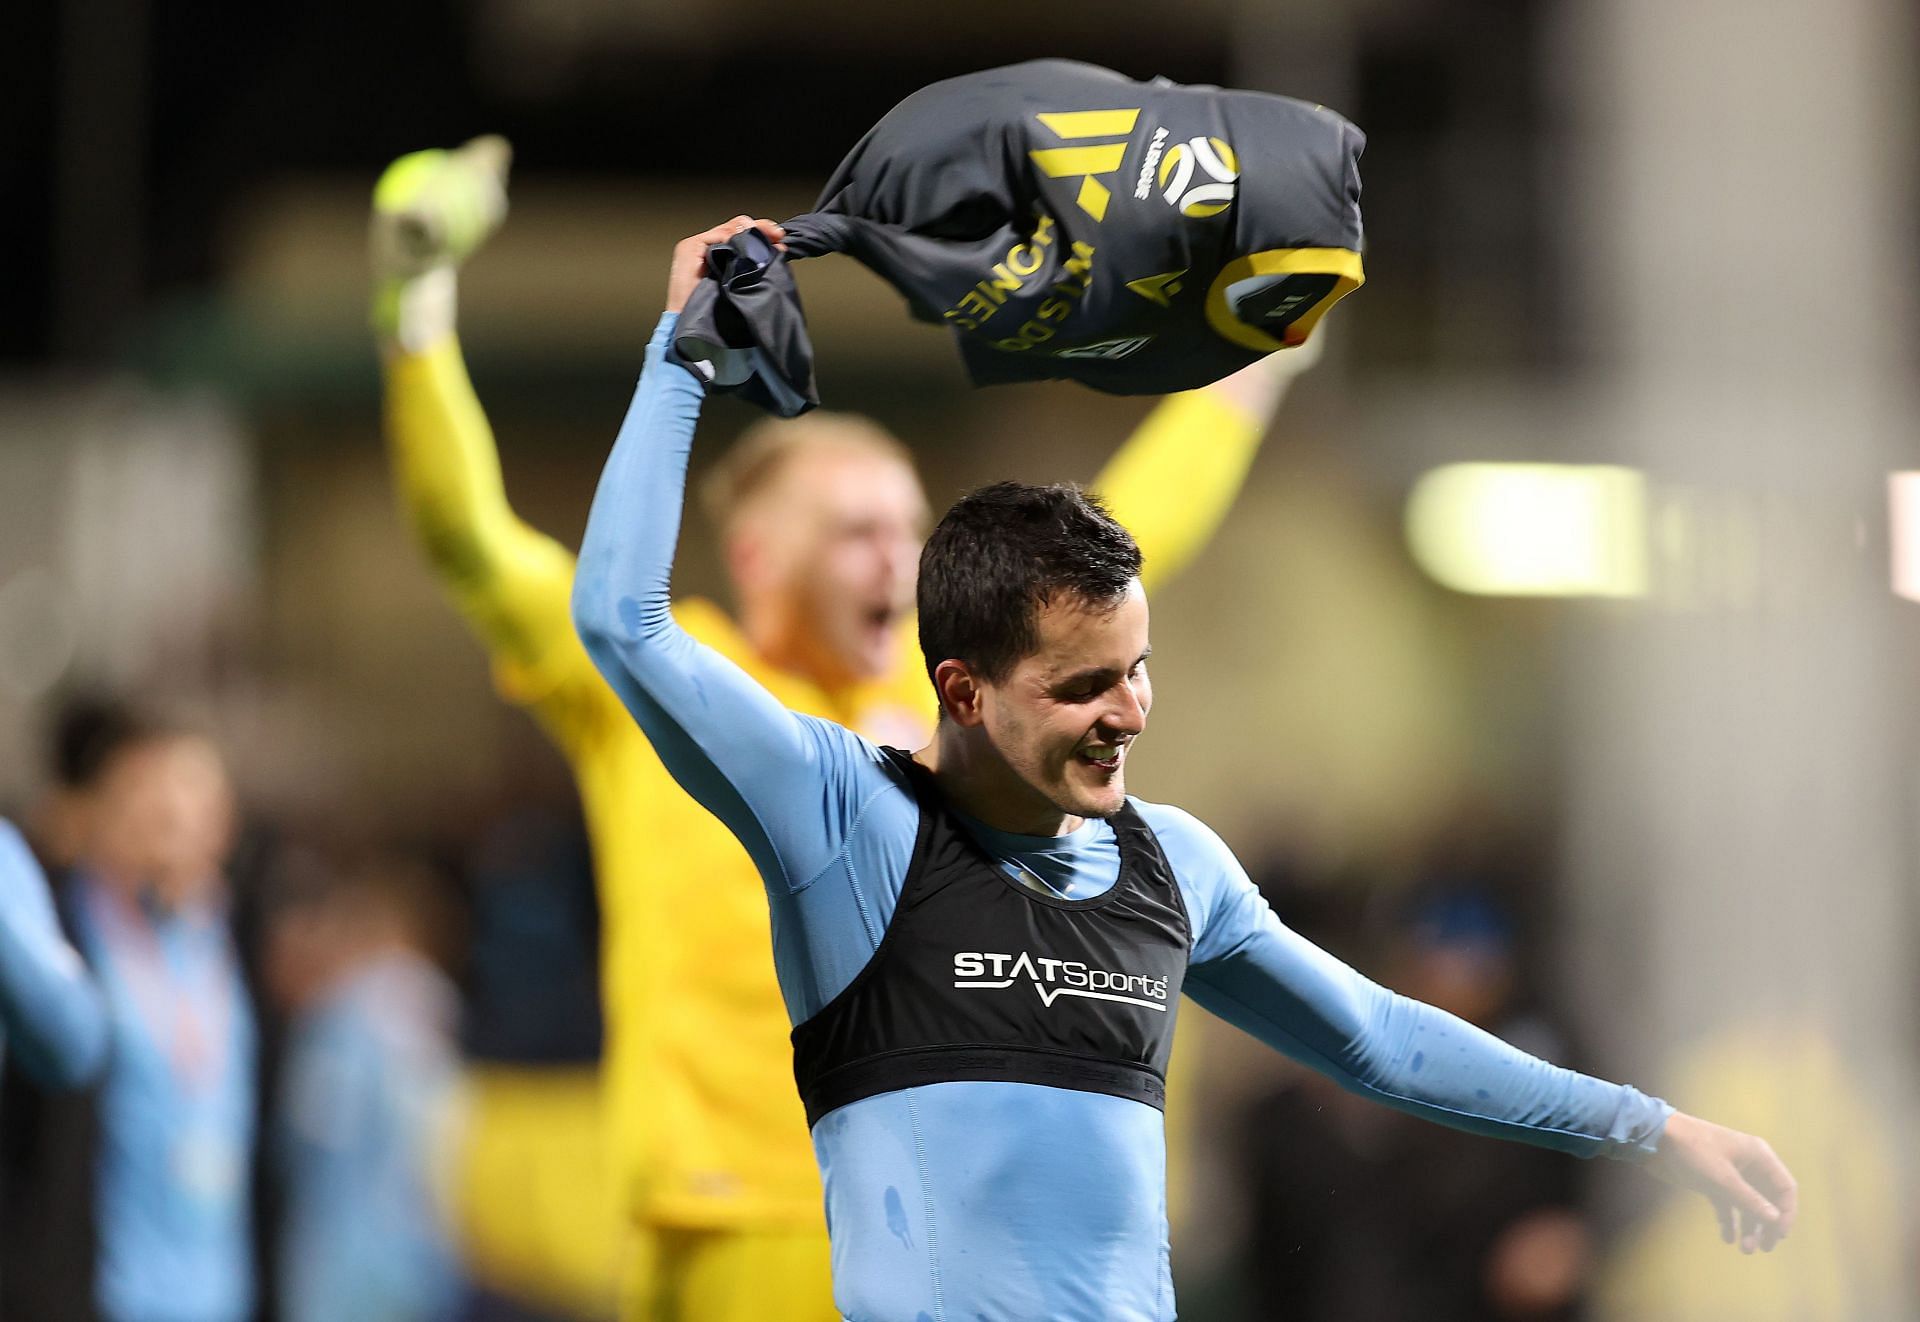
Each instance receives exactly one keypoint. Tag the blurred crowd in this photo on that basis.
(1355, 1213)
(324, 1076)
(275, 1120)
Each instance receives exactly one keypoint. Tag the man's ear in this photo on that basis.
(960, 693)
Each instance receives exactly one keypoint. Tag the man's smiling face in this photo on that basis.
(1065, 717)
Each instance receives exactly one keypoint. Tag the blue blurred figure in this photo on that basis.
(367, 1116)
(50, 1011)
(174, 1119)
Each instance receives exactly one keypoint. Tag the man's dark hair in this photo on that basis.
(1000, 556)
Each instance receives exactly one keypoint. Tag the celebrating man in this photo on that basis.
(982, 943)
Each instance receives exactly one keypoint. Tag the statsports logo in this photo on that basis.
(1054, 978)
(1197, 177)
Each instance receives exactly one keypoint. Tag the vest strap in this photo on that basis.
(917, 1066)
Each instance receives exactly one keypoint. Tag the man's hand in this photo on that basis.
(1750, 1188)
(690, 255)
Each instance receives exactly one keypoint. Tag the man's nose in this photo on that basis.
(1127, 714)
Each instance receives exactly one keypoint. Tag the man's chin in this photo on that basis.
(1102, 802)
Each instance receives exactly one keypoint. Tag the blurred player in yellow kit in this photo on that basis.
(821, 519)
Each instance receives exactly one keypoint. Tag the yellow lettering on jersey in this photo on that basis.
(1090, 123)
(1065, 162)
(1024, 259)
(1093, 198)
(1080, 264)
(1158, 288)
(1076, 275)
(1007, 277)
(1087, 162)
(1001, 278)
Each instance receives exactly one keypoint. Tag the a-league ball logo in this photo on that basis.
(1213, 161)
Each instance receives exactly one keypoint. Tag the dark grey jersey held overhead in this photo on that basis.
(1068, 222)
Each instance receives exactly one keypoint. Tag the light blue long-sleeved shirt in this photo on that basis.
(172, 1201)
(52, 1014)
(999, 1201)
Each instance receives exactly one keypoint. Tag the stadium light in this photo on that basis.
(1903, 495)
(1533, 530)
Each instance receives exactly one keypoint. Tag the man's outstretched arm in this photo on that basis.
(49, 1007)
(785, 785)
(1267, 980)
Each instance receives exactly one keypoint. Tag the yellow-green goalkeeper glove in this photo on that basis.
(431, 211)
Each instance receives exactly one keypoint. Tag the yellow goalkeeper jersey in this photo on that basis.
(706, 1125)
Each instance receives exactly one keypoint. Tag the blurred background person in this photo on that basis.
(369, 1109)
(84, 730)
(52, 1020)
(48, 1134)
(53, 1023)
(1358, 1213)
(820, 521)
(532, 1166)
(135, 1206)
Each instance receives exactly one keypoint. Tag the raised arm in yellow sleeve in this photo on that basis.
(431, 211)
(1176, 477)
(511, 581)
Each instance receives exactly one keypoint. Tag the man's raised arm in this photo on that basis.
(771, 776)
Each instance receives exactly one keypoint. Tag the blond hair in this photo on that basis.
(763, 451)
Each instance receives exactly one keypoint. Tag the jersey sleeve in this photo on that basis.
(788, 786)
(51, 1011)
(1269, 981)
(1173, 481)
(511, 582)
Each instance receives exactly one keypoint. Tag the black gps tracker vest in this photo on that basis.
(979, 978)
